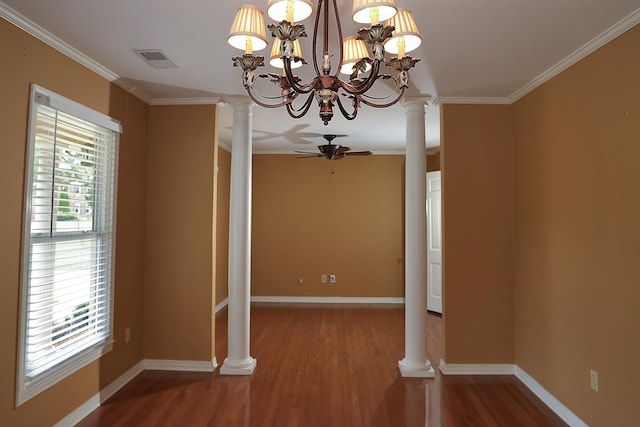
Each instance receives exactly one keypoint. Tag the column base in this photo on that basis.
(416, 370)
(238, 367)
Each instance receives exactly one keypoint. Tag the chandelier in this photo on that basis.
(397, 35)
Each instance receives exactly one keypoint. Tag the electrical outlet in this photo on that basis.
(332, 278)
(594, 380)
(324, 278)
(127, 335)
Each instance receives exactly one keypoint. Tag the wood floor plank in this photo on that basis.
(323, 366)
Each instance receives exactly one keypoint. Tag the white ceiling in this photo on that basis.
(472, 51)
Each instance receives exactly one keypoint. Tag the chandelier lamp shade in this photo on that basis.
(247, 31)
(275, 59)
(405, 37)
(353, 50)
(289, 10)
(361, 57)
(373, 11)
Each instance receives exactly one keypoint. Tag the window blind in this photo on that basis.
(69, 236)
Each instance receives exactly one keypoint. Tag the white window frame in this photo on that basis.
(27, 388)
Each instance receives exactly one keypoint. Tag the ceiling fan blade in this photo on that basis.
(342, 149)
(309, 156)
(358, 153)
(305, 152)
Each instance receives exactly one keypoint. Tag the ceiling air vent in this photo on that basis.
(155, 58)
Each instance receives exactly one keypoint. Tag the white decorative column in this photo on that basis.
(238, 361)
(415, 362)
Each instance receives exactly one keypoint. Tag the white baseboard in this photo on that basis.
(180, 365)
(97, 399)
(328, 300)
(476, 369)
(506, 369)
(550, 400)
(222, 304)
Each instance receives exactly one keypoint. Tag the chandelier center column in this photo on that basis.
(239, 361)
(415, 362)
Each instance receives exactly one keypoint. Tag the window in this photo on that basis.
(68, 241)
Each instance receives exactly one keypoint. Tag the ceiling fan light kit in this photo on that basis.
(398, 35)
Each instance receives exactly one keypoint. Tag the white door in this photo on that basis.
(434, 243)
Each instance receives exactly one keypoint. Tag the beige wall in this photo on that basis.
(179, 285)
(308, 221)
(222, 225)
(540, 210)
(433, 162)
(578, 247)
(32, 61)
(478, 223)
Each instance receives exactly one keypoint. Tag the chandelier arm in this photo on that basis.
(325, 36)
(303, 110)
(262, 104)
(345, 113)
(291, 79)
(335, 9)
(291, 95)
(389, 104)
(315, 39)
(366, 85)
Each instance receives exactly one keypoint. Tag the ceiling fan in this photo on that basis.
(332, 151)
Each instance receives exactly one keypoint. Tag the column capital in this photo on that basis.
(239, 101)
(414, 101)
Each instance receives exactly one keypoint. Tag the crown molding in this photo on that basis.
(134, 90)
(61, 46)
(48, 38)
(43, 35)
(224, 146)
(588, 48)
(471, 100)
(187, 101)
(599, 41)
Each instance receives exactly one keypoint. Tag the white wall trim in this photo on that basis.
(80, 413)
(588, 48)
(471, 100)
(221, 305)
(188, 101)
(121, 381)
(58, 44)
(180, 365)
(602, 39)
(61, 46)
(43, 35)
(476, 369)
(506, 369)
(328, 300)
(97, 399)
(224, 146)
(550, 400)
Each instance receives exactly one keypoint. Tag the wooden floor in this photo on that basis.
(323, 367)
